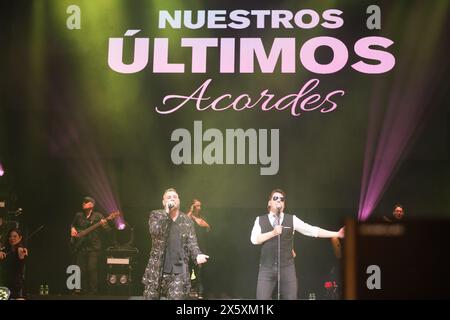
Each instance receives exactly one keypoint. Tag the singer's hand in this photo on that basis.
(170, 206)
(201, 258)
(277, 230)
(73, 232)
(2, 255)
(341, 233)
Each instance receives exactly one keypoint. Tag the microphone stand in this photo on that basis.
(279, 258)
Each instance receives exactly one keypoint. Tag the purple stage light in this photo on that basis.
(2, 170)
(73, 142)
(419, 72)
(400, 123)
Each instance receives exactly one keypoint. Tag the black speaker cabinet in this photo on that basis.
(409, 260)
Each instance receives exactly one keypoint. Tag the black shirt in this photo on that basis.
(92, 241)
(173, 260)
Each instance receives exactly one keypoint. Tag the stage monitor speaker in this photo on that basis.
(409, 260)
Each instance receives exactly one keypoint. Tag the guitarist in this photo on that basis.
(89, 249)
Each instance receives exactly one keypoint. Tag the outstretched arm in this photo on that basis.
(331, 234)
(312, 231)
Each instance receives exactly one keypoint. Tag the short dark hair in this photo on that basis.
(398, 206)
(170, 190)
(277, 191)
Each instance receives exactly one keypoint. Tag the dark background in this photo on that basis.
(55, 81)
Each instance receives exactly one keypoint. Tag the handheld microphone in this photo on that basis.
(278, 208)
(171, 205)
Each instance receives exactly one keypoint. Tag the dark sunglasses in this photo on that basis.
(275, 198)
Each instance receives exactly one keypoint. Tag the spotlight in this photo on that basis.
(112, 279)
(123, 237)
(123, 279)
(2, 170)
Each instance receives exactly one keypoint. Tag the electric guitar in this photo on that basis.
(77, 241)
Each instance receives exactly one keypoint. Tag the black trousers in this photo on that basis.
(88, 263)
(16, 285)
(268, 279)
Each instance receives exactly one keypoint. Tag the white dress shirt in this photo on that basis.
(299, 226)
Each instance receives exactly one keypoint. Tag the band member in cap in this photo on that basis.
(88, 248)
(265, 232)
(173, 243)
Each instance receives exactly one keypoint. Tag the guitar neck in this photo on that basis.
(98, 224)
(88, 230)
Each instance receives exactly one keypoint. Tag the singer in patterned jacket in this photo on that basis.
(173, 242)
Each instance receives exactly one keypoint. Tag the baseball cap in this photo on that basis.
(88, 199)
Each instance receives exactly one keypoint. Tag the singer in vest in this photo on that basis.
(173, 242)
(267, 231)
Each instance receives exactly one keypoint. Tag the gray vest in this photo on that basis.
(269, 251)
